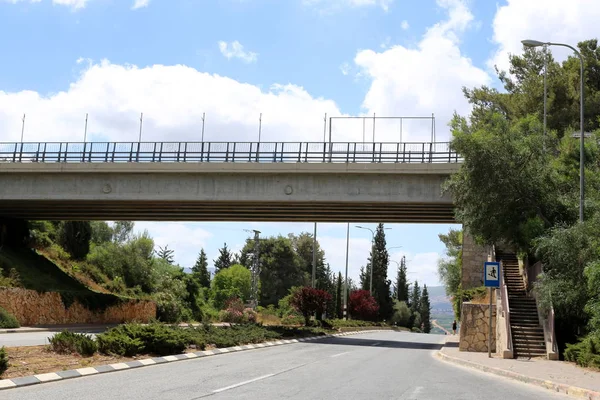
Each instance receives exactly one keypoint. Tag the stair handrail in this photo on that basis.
(505, 308)
(552, 335)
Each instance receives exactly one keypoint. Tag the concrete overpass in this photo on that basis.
(335, 182)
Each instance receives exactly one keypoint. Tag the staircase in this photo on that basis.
(527, 333)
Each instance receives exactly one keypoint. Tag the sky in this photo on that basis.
(292, 61)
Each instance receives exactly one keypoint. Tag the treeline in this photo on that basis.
(519, 185)
(114, 259)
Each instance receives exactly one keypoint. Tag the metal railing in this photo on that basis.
(276, 152)
(505, 309)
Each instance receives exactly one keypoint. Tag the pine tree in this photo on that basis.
(379, 261)
(415, 298)
(200, 269)
(402, 290)
(363, 277)
(224, 259)
(166, 254)
(425, 310)
(326, 282)
(339, 297)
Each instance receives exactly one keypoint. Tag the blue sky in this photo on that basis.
(291, 60)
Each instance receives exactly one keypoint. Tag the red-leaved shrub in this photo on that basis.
(308, 301)
(362, 305)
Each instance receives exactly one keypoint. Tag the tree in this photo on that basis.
(362, 305)
(309, 301)
(401, 316)
(415, 298)
(425, 310)
(280, 267)
(224, 259)
(303, 246)
(234, 281)
(379, 261)
(122, 231)
(101, 232)
(166, 254)
(450, 267)
(338, 297)
(75, 238)
(401, 286)
(200, 269)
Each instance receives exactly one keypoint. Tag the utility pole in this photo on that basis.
(314, 260)
(23, 128)
(255, 269)
(346, 277)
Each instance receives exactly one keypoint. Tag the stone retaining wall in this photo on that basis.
(474, 327)
(33, 308)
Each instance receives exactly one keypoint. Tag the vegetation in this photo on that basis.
(68, 343)
(520, 186)
(7, 320)
(401, 285)
(309, 301)
(379, 262)
(235, 281)
(3, 360)
(362, 305)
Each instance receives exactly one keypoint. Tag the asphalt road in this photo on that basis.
(383, 365)
(31, 338)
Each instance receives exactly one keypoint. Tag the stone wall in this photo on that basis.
(474, 327)
(473, 257)
(33, 308)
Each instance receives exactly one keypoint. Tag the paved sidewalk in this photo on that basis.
(557, 376)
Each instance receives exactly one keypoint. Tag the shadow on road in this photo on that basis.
(393, 344)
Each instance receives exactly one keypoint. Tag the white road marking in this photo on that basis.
(147, 361)
(87, 371)
(48, 377)
(119, 366)
(376, 344)
(340, 354)
(242, 383)
(7, 384)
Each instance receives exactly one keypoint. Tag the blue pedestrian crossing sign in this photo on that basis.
(491, 274)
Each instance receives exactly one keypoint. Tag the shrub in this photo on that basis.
(466, 295)
(401, 316)
(416, 330)
(234, 311)
(67, 342)
(292, 319)
(155, 338)
(250, 315)
(351, 323)
(3, 361)
(586, 353)
(362, 305)
(309, 301)
(7, 320)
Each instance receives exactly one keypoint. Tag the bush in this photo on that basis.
(7, 320)
(67, 342)
(155, 338)
(292, 319)
(362, 305)
(234, 311)
(416, 330)
(309, 301)
(466, 295)
(351, 323)
(401, 316)
(250, 315)
(586, 353)
(3, 361)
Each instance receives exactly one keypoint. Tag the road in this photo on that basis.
(435, 323)
(382, 365)
(32, 338)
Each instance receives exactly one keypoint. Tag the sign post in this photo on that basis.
(491, 275)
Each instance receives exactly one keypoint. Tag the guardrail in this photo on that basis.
(290, 152)
(505, 310)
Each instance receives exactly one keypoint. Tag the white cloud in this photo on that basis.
(423, 80)
(172, 99)
(545, 20)
(236, 50)
(404, 25)
(338, 4)
(140, 4)
(345, 68)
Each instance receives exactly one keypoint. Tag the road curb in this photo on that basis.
(14, 383)
(569, 390)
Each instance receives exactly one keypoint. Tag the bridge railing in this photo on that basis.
(277, 152)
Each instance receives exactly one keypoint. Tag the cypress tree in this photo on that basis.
(425, 310)
(338, 297)
(224, 259)
(200, 270)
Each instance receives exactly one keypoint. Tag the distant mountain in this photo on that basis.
(438, 299)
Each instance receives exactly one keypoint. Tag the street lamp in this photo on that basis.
(536, 43)
(372, 246)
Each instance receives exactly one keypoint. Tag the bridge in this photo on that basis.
(235, 181)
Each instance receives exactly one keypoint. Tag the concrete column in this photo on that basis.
(473, 257)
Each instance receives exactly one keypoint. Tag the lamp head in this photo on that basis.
(532, 43)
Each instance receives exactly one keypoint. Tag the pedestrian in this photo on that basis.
(454, 327)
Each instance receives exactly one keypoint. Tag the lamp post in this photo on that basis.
(536, 43)
(346, 276)
(372, 247)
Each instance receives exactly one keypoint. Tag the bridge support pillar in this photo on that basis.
(473, 257)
